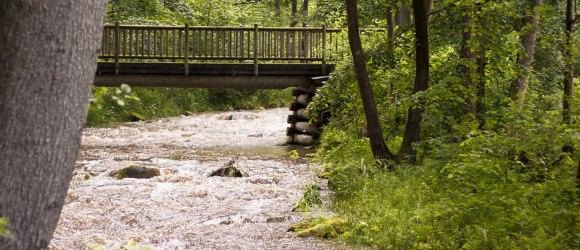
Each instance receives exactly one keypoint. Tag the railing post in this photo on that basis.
(117, 49)
(186, 58)
(256, 49)
(304, 45)
(324, 49)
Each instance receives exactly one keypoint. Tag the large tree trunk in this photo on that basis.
(468, 66)
(415, 114)
(47, 65)
(378, 146)
(568, 61)
(520, 86)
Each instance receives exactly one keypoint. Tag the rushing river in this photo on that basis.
(183, 208)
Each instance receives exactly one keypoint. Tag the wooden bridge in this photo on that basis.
(215, 57)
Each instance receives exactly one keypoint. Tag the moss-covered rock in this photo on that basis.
(134, 171)
(323, 228)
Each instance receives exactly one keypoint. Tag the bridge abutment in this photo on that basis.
(304, 130)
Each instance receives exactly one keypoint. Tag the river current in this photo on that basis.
(184, 208)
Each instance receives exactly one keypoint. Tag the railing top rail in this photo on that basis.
(245, 28)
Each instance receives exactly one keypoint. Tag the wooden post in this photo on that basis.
(255, 49)
(117, 48)
(186, 58)
(324, 49)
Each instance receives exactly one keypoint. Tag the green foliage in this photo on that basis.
(490, 191)
(507, 181)
(4, 225)
(151, 103)
(310, 200)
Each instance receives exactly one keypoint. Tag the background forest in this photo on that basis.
(495, 164)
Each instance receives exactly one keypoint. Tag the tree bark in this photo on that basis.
(48, 57)
(568, 61)
(415, 113)
(378, 146)
(468, 66)
(520, 86)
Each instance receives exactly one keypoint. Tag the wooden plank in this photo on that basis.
(308, 70)
(203, 81)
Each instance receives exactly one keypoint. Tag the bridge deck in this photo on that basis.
(210, 75)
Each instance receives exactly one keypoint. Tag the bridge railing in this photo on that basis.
(241, 44)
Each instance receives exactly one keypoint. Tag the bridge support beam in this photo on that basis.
(203, 81)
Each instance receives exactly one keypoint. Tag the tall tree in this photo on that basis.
(568, 61)
(378, 146)
(47, 65)
(415, 113)
(528, 38)
(468, 56)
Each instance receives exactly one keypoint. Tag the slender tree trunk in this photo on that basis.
(390, 35)
(480, 104)
(520, 86)
(391, 62)
(378, 146)
(415, 114)
(304, 12)
(429, 7)
(468, 67)
(569, 61)
(277, 5)
(47, 65)
(403, 16)
(294, 5)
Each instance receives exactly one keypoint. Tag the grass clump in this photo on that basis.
(310, 199)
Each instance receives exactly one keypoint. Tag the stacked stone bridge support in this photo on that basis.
(304, 130)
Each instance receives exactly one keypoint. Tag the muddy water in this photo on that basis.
(183, 208)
